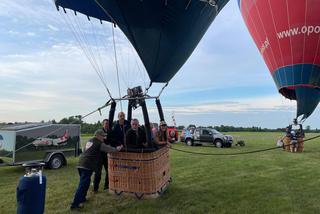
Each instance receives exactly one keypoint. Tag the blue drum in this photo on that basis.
(31, 191)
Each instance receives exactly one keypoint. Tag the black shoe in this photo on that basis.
(79, 207)
(85, 200)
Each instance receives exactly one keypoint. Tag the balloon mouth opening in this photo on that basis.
(290, 92)
(307, 98)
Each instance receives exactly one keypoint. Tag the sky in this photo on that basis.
(46, 73)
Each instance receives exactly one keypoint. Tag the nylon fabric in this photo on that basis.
(164, 33)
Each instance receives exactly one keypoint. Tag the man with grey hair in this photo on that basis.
(136, 136)
(88, 163)
(120, 129)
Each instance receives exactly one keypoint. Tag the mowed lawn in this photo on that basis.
(268, 182)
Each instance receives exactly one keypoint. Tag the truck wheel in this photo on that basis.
(218, 143)
(189, 142)
(56, 162)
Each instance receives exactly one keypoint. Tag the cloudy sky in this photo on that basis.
(55, 65)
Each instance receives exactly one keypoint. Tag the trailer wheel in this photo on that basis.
(56, 161)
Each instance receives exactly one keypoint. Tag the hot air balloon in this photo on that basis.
(164, 33)
(287, 34)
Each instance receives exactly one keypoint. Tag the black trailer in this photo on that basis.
(43, 142)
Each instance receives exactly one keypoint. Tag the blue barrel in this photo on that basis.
(31, 193)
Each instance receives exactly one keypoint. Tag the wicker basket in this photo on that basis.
(139, 174)
(300, 145)
(290, 148)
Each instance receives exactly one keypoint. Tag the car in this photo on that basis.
(186, 132)
(207, 135)
(173, 134)
(182, 135)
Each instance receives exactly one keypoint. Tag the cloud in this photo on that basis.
(31, 34)
(53, 28)
(252, 104)
(46, 75)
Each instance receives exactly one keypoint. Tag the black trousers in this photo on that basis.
(98, 172)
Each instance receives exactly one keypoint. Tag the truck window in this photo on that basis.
(205, 132)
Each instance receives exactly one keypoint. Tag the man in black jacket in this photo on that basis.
(104, 158)
(88, 163)
(120, 129)
(136, 136)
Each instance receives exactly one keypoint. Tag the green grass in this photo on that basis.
(267, 182)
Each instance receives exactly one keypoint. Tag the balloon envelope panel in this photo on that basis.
(163, 32)
(287, 34)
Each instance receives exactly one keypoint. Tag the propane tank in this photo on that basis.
(31, 190)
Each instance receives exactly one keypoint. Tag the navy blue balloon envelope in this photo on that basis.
(163, 32)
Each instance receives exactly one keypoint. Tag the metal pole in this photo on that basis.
(146, 121)
(129, 114)
(111, 113)
(160, 110)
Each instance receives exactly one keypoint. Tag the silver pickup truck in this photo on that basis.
(208, 135)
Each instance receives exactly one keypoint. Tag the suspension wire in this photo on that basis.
(95, 35)
(147, 89)
(123, 67)
(117, 69)
(85, 40)
(87, 53)
(162, 88)
(92, 62)
(239, 153)
(93, 58)
(114, 22)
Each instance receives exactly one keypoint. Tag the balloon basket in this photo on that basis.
(141, 175)
(299, 147)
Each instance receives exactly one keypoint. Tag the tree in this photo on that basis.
(71, 120)
(180, 127)
(191, 126)
(308, 128)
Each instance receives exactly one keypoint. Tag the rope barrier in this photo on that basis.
(239, 153)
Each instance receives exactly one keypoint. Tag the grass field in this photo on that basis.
(267, 182)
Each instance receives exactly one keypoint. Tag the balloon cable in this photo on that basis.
(239, 153)
(116, 62)
(82, 42)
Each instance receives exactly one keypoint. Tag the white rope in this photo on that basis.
(116, 60)
(81, 40)
(98, 52)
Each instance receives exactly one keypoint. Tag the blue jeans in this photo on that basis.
(98, 172)
(84, 184)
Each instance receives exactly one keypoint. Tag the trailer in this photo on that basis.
(39, 142)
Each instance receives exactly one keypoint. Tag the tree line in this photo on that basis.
(89, 128)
